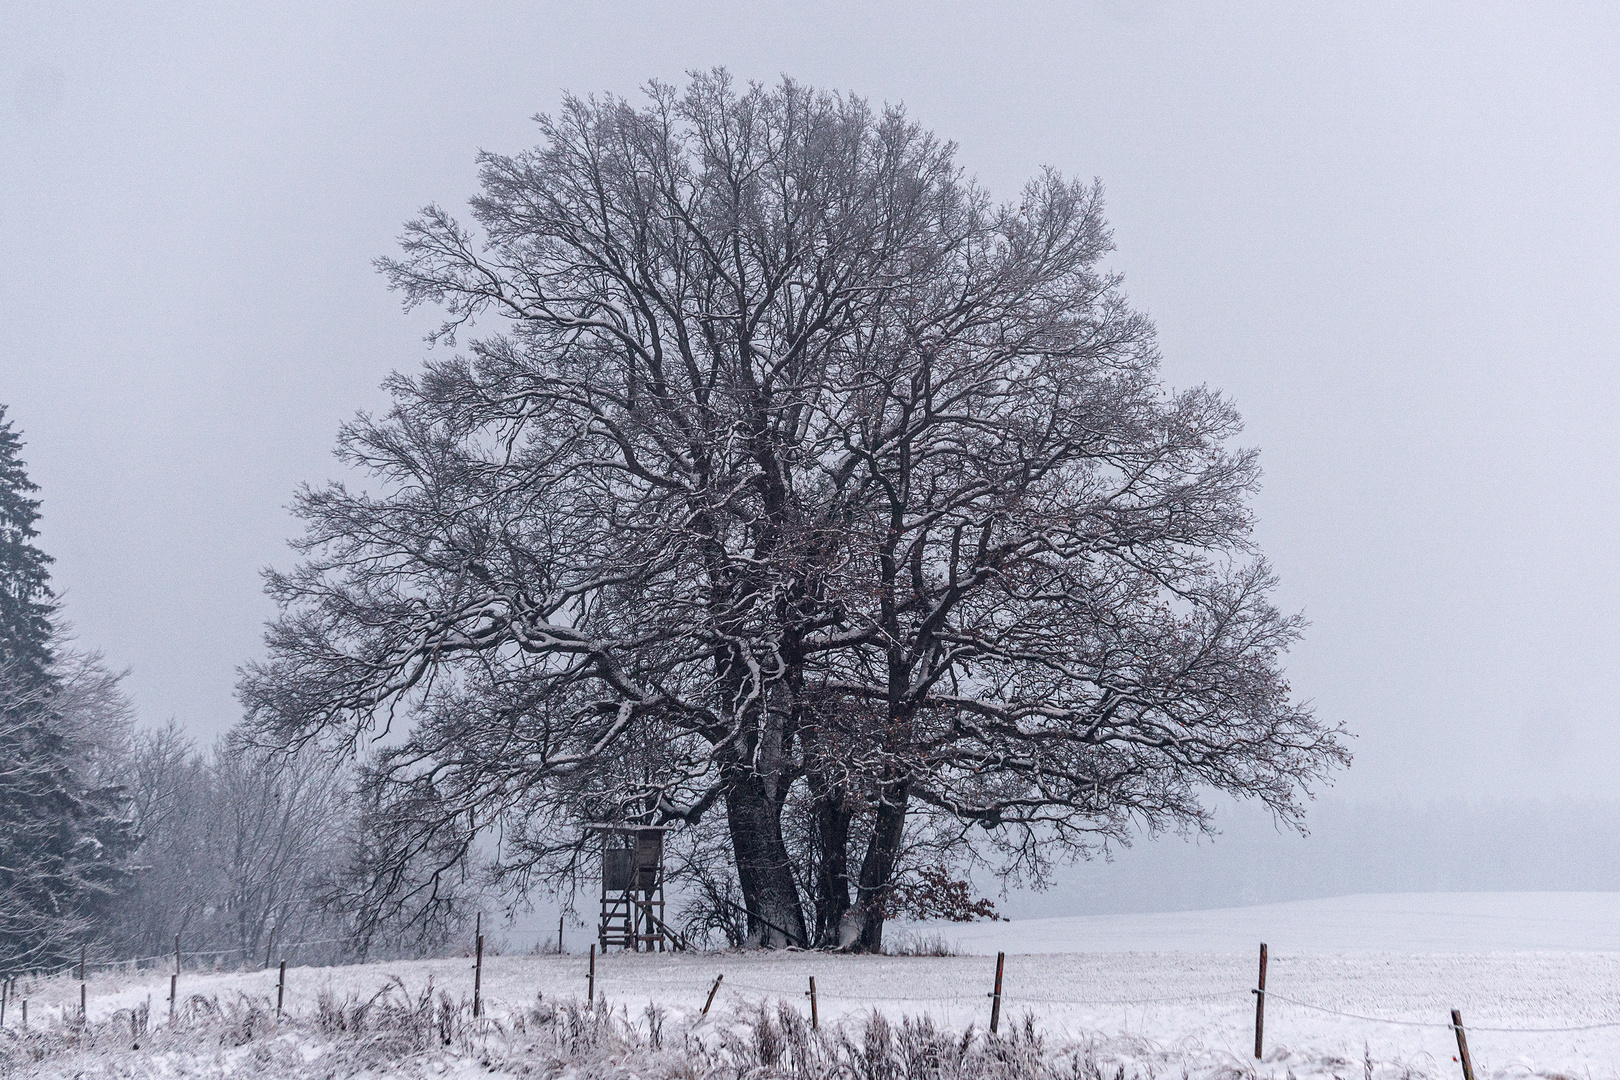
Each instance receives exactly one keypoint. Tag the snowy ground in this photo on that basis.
(1179, 983)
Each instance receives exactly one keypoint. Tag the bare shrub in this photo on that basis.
(917, 943)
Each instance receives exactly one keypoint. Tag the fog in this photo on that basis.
(1389, 232)
(1392, 845)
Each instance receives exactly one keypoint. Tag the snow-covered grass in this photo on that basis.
(1123, 1003)
(393, 1034)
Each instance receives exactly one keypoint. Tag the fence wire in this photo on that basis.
(1272, 994)
(739, 989)
(1235, 995)
(185, 954)
(1007, 997)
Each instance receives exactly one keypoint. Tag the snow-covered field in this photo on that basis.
(1385, 922)
(1162, 987)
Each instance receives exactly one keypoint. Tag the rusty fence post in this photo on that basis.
(995, 995)
(1462, 1045)
(1260, 1006)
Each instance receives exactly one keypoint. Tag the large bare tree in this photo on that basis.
(786, 465)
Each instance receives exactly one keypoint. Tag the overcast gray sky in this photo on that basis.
(1390, 232)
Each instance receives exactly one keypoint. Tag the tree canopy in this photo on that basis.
(791, 483)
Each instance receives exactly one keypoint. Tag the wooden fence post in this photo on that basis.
(713, 990)
(815, 1017)
(5, 985)
(281, 987)
(478, 979)
(590, 985)
(25, 1014)
(995, 996)
(174, 980)
(269, 948)
(559, 935)
(1462, 1045)
(1260, 1005)
(84, 994)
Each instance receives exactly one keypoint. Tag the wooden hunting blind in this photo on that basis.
(632, 912)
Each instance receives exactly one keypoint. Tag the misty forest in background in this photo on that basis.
(117, 839)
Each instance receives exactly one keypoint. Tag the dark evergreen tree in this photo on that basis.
(64, 841)
(26, 603)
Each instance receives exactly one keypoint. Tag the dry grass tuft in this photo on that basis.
(399, 1034)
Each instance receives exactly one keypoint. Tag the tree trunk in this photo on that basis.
(775, 916)
(832, 816)
(863, 924)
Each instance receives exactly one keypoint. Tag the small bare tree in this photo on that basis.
(792, 463)
(175, 881)
(94, 712)
(235, 843)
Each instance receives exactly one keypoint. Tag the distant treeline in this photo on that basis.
(1500, 845)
